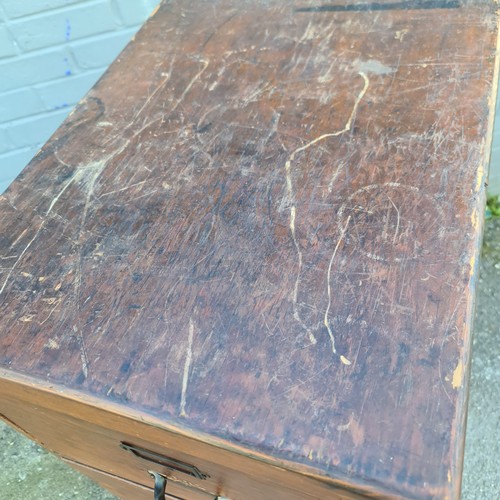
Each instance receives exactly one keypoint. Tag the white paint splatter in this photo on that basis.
(187, 366)
(293, 213)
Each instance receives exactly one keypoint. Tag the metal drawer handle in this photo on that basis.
(169, 463)
(160, 485)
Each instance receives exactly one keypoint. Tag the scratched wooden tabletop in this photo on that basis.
(263, 224)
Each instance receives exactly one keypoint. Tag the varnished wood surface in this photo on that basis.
(262, 224)
(86, 430)
(119, 486)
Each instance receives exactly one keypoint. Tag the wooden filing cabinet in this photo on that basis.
(247, 260)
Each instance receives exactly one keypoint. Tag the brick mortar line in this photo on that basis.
(43, 12)
(33, 117)
(65, 45)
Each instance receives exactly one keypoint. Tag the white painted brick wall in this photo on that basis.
(51, 53)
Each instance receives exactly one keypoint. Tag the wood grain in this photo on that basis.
(86, 430)
(119, 486)
(262, 225)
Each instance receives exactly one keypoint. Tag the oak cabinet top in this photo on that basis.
(263, 224)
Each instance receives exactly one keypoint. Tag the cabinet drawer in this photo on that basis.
(128, 490)
(123, 453)
(102, 438)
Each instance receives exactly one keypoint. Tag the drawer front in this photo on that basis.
(127, 490)
(128, 448)
(119, 454)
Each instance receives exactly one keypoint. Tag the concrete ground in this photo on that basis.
(482, 449)
(29, 473)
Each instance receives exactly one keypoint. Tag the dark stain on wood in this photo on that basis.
(377, 6)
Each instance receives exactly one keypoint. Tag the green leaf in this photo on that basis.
(493, 207)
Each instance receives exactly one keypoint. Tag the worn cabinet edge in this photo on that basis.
(480, 196)
(84, 406)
